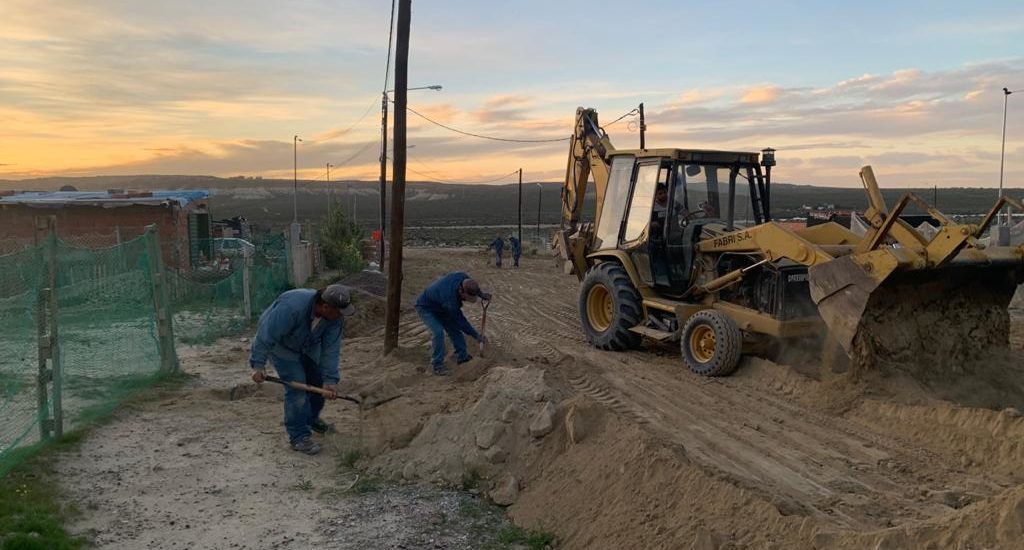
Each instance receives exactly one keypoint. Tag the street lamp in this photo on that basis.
(295, 183)
(1002, 154)
(384, 160)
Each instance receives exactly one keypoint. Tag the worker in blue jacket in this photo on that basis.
(517, 250)
(440, 307)
(300, 333)
(499, 246)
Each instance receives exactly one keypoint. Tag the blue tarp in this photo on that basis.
(57, 198)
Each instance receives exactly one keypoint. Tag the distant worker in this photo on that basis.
(517, 250)
(440, 307)
(499, 246)
(300, 333)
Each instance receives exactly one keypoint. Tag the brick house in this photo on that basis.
(98, 219)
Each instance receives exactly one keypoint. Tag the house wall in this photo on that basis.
(97, 227)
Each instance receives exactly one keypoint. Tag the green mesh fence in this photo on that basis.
(91, 311)
(210, 302)
(99, 326)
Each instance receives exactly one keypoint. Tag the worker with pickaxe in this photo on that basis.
(300, 333)
(440, 307)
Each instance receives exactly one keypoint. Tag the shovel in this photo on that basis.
(327, 394)
(483, 323)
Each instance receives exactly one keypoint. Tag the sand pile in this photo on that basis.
(478, 443)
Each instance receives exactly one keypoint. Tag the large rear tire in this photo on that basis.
(609, 307)
(712, 343)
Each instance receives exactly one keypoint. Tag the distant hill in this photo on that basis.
(269, 201)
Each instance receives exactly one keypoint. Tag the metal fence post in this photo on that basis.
(161, 302)
(247, 286)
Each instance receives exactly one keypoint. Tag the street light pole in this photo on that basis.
(329, 195)
(519, 211)
(540, 188)
(1002, 155)
(295, 182)
(383, 174)
(384, 164)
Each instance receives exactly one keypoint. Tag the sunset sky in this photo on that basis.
(220, 86)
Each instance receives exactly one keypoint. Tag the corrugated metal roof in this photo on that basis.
(103, 198)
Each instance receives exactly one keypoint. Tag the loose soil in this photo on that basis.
(604, 450)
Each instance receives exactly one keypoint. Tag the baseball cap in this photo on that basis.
(473, 289)
(338, 296)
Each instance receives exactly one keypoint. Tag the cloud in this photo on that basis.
(761, 94)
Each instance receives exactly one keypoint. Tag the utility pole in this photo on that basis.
(394, 293)
(295, 183)
(329, 196)
(540, 188)
(520, 210)
(383, 172)
(643, 128)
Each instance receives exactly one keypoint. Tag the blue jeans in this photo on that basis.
(438, 327)
(497, 258)
(300, 407)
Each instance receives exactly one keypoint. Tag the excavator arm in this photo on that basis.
(589, 150)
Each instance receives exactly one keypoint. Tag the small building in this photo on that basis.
(99, 219)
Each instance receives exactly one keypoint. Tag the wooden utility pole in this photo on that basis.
(394, 295)
(643, 128)
(520, 213)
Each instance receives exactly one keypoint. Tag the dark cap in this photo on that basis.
(338, 296)
(473, 289)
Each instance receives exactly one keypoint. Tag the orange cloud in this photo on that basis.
(761, 94)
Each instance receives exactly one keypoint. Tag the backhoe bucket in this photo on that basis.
(930, 306)
(931, 322)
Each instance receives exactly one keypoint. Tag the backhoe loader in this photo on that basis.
(682, 247)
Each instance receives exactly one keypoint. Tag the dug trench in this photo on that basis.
(603, 450)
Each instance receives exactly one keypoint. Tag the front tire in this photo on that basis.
(711, 344)
(609, 307)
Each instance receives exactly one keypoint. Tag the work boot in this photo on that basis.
(441, 370)
(321, 427)
(306, 445)
(465, 359)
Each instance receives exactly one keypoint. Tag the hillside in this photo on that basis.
(270, 200)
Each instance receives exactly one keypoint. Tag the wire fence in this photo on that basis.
(82, 327)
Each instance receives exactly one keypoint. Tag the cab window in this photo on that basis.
(643, 200)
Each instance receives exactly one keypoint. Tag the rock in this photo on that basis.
(509, 414)
(1011, 412)
(489, 434)
(496, 454)
(506, 491)
(409, 470)
(243, 340)
(544, 421)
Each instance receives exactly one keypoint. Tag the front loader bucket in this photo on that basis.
(932, 323)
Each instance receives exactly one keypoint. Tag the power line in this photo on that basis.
(456, 130)
(354, 124)
(633, 112)
(435, 179)
(391, 32)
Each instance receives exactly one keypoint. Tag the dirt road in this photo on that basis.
(852, 457)
(638, 452)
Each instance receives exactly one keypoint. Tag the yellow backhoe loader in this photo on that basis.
(682, 247)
